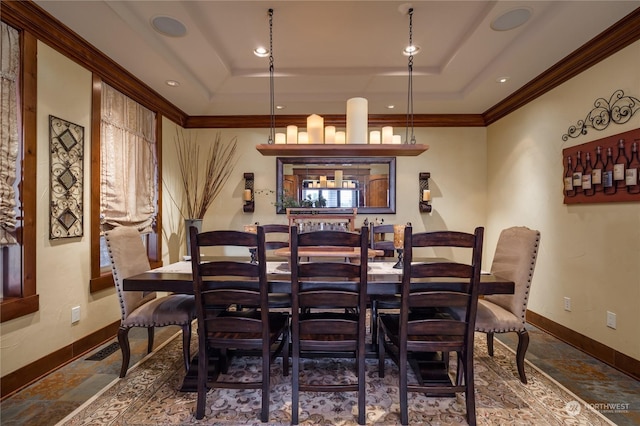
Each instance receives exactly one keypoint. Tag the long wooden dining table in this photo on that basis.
(383, 279)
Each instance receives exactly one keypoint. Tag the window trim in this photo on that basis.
(15, 307)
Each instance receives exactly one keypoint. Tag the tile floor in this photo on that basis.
(56, 395)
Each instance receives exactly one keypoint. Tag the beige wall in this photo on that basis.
(508, 174)
(590, 253)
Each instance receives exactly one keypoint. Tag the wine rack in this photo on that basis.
(589, 191)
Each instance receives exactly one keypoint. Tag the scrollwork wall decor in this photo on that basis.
(66, 143)
(618, 109)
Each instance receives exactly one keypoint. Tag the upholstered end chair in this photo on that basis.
(514, 259)
(142, 309)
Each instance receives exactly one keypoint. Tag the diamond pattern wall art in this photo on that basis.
(66, 141)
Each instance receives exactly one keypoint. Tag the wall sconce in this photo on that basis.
(247, 195)
(425, 193)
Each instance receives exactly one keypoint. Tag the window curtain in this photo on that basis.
(128, 188)
(10, 49)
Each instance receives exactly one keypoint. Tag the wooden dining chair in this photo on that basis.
(277, 236)
(128, 257)
(425, 323)
(514, 259)
(328, 316)
(221, 283)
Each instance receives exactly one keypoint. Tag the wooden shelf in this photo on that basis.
(339, 150)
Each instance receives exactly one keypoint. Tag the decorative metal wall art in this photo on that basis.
(66, 143)
(618, 109)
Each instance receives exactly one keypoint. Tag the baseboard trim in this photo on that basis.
(19, 379)
(608, 355)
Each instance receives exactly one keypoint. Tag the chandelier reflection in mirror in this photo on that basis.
(356, 115)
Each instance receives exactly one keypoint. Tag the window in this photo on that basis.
(17, 173)
(124, 156)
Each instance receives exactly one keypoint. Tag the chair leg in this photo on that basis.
(295, 385)
(362, 404)
(381, 353)
(123, 341)
(403, 390)
(469, 393)
(266, 381)
(523, 344)
(490, 343)
(150, 335)
(374, 322)
(285, 355)
(186, 345)
(203, 368)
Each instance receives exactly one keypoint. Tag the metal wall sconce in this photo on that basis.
(425, 194)
(247, 195)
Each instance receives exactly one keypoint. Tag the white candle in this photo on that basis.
(292, 134)
(387, 134)
(303, 137)
(247, 195)
(323, 181)
(341, 137)
(281, 138)
(426, 195)
(374, 137)
(397, 140)
(357, 120)
(338, 178)
(330, 134)
(315, 125)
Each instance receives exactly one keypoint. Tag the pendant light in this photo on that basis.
(410, 50)
(272, 128)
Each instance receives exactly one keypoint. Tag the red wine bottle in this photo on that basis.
(632, 176)
(620, 165)
(568, 179)
(587, 187)
(577, 174)
(608, 185)
(596, 173)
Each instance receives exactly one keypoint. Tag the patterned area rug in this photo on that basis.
(149, 396)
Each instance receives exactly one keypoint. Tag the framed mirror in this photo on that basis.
(368, 183)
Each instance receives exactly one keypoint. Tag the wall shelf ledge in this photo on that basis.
(339, 150)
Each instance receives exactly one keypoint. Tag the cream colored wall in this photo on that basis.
(590, 253)
(456, 159)
(62, 267)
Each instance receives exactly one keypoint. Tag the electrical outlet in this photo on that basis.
(567, 304)
(611, 320)
(75, 314)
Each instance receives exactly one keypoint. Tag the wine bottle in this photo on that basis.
(587, 187)
(632, 176)
(568, 179)
(619, 167)
(596, 173)
(607, 175)
(577, 174)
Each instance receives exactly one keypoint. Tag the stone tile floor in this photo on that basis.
(53, 397)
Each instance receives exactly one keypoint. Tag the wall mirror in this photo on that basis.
(368, 183)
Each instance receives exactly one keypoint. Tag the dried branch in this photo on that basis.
(203, 177)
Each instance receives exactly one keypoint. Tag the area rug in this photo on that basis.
(149, 395)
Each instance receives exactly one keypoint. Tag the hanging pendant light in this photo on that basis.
(410, 50)
(272, 109)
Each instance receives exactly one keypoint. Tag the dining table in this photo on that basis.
(382, 279)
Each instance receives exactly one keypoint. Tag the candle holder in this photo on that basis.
(398, 265)
(252, 250)
(247, 195)
(425, 193)
(254, 254)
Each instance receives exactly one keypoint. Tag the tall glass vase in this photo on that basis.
(188, 223)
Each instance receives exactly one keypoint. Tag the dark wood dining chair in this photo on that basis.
(128, 257)
(221, 283)
(328, 316)
(425, 323)
(277, 236)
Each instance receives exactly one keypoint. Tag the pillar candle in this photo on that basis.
(426, 195)
(281, 138)
(330, 134)
(397, 140)
(303, 137)
(338, 178)
(323, 181)
(387, 134)
(292, 134)
(251, 228)
(357, 120)
(340, 137)
(246, 195)
(315, 126)
(374, 137)
(398, 236)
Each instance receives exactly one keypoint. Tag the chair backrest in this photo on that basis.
(378, 242)
(515, 259)
(326, 283)
(128, 257)
(221, 282)
(453, 286)
(280, 232)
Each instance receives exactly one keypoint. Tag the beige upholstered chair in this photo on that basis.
(140, 309)
(514, 259)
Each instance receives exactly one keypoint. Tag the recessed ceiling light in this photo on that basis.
(502, 79)
(511, 19)
(261, 52)
(391, 106)
(411, 50)
(168, 26)
(172, 83)
(280, 107)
